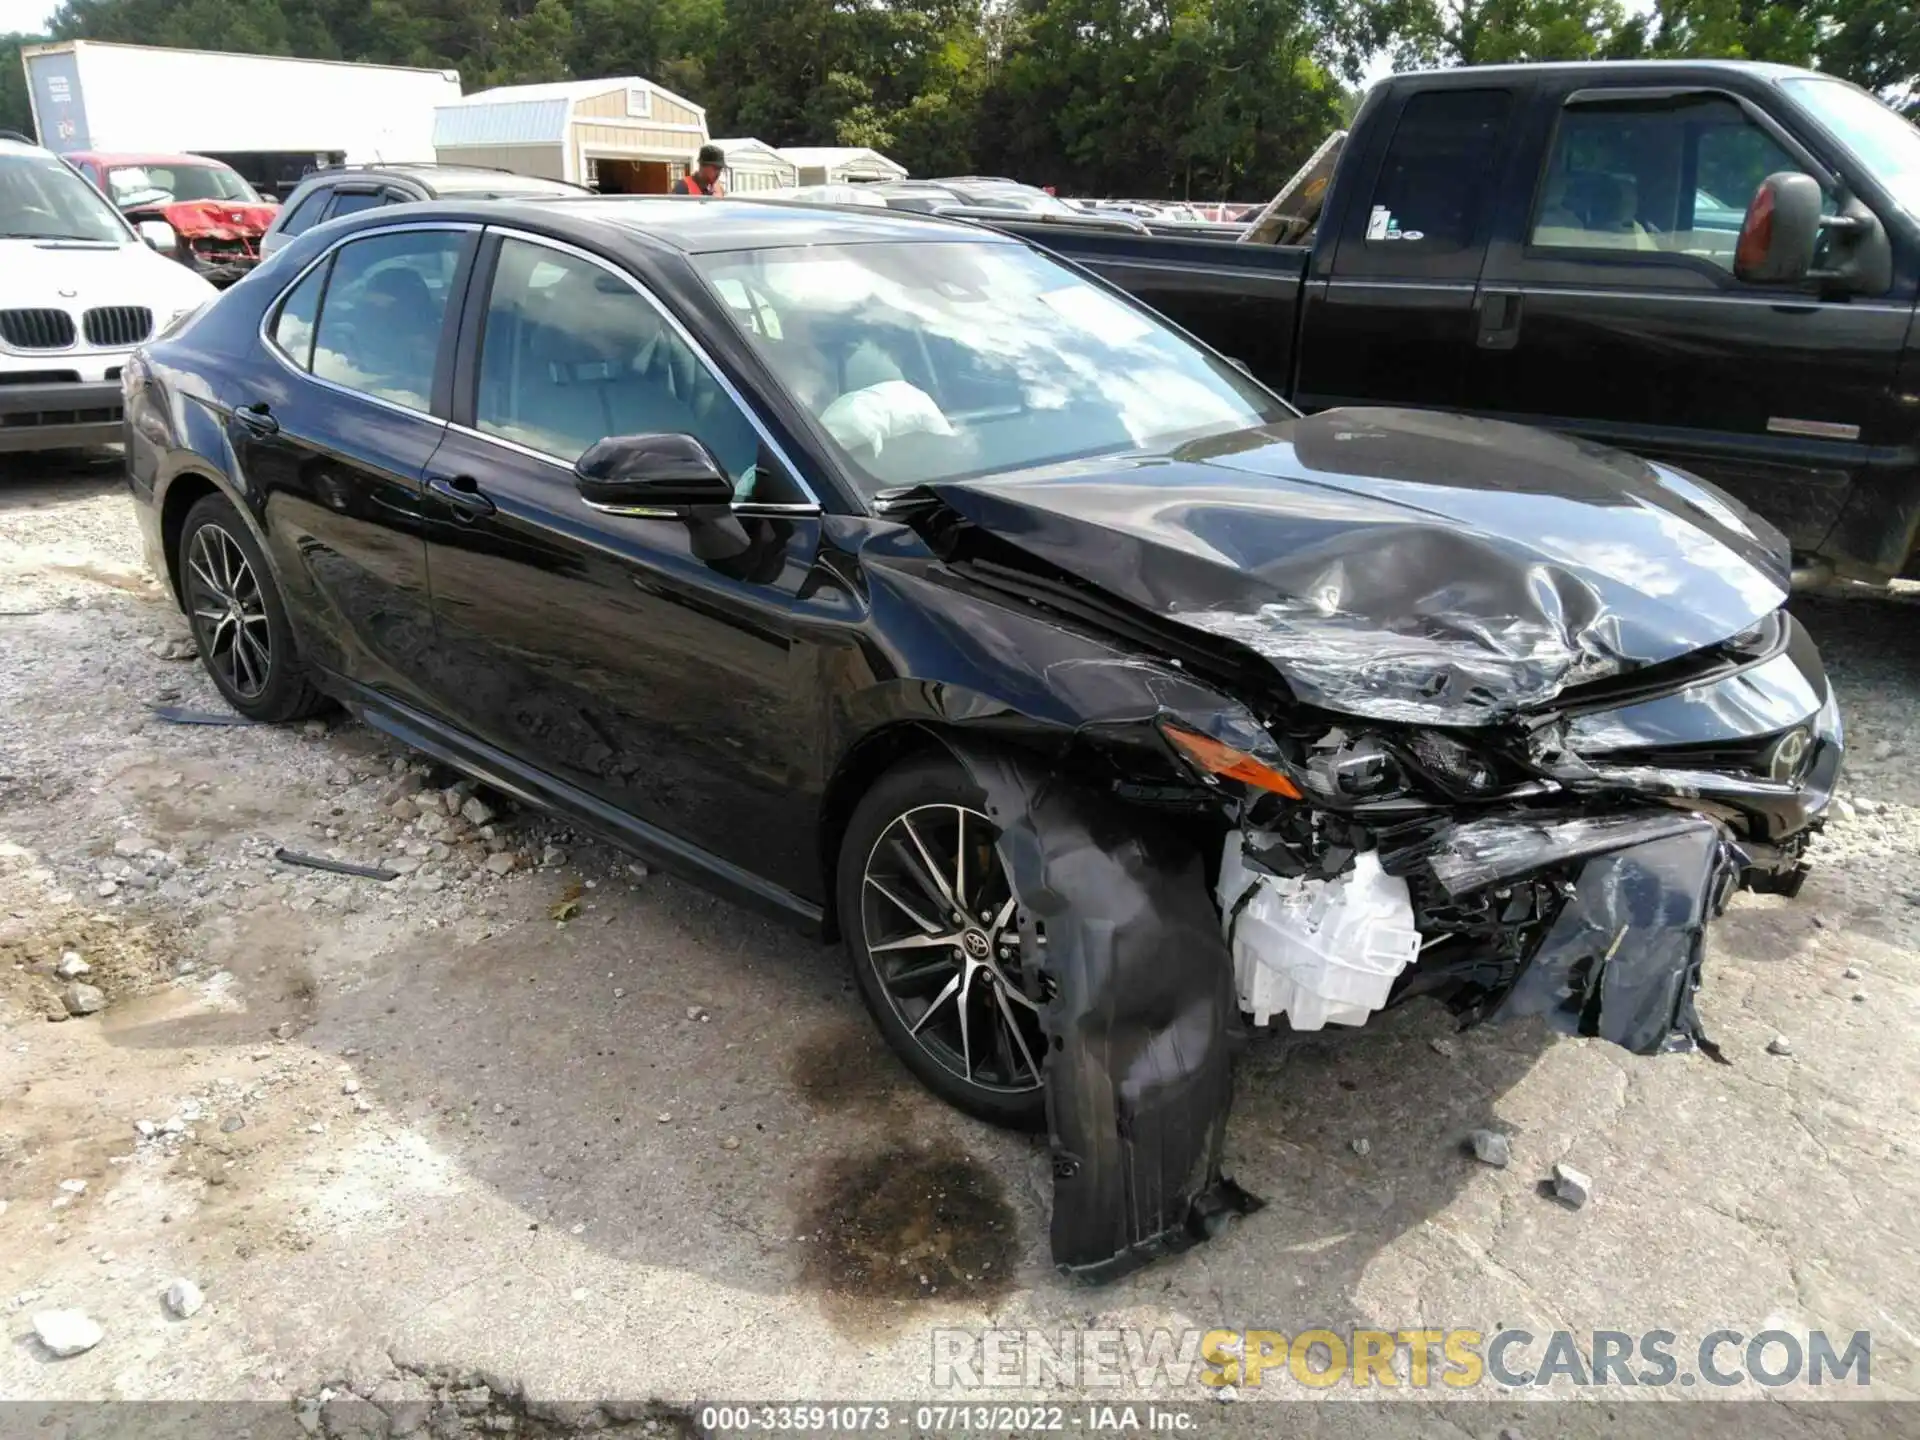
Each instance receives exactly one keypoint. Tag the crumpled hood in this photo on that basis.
(210, 219)
(1405, 565)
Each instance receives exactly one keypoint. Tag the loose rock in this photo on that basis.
(66, 1332)
(1779, 1045)
(1852, 972)
(1363, 1147)
(1490, 1147)
(83, 999)
(233, 1122)
(1570, 1186)
(1441, 1046)
(503, 862)
(476, 811)
(71, 966)
(183, 1299)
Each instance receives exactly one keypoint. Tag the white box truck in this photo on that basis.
(272, 117)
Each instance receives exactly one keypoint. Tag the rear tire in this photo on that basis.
(945, 992)
(238, 617)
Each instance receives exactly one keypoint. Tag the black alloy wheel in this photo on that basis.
(239, 620)
(931, 920)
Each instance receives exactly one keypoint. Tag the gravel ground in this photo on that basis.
(529, 1126)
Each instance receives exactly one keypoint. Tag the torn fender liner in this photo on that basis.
(1622, 960)
(1139, 1018)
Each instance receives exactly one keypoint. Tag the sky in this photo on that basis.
(26, 17)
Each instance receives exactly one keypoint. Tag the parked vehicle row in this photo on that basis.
(893, 576)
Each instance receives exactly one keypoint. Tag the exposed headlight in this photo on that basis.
(1453, 764)
(1360, 769)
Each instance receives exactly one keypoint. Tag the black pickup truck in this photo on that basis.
(1710, 264)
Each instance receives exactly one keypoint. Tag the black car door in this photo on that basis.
(648, 666)
(1388, 312)
(332, 424)
(1621, 319)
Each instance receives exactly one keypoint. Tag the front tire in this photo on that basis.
(238, 617)
(931, 925)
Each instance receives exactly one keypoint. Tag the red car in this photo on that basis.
(218, 216)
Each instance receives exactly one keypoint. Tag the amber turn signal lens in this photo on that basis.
(1223, 760)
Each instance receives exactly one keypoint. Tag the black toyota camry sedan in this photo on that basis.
(894, 577)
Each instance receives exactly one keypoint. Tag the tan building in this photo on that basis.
(622, 135)
(755, 165)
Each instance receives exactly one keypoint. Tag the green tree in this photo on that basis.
(16, 111)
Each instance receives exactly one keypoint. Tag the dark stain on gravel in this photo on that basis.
(846, 1067)
(899, 1224)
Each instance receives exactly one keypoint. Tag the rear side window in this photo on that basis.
(349, 202)
(293, 328)
(379, 328)
(1438, 172)
(305, 215)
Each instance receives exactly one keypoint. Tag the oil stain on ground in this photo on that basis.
(846, 1068)
(902, 1224)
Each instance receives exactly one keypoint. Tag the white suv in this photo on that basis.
(79, 290)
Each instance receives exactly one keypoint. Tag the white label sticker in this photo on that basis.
(1378, 221)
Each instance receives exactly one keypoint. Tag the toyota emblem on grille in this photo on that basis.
(1788, 751)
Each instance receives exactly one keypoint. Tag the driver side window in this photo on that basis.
(1670, 176)
(573, 353)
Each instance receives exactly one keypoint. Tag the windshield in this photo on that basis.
(937, 360)
(165, 184)
(41, 199)
(1886, 144)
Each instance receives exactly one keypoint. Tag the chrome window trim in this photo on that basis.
(812, 506)
(272, 313)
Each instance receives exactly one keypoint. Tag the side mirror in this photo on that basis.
(159, 234)
(1782, 225)
(653, 476)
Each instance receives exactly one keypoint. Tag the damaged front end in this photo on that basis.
(1523, 793)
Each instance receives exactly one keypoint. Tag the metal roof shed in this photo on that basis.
(622, 134)
(755, 165)
(841, 165)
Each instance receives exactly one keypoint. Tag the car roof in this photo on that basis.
(1467, 74)
(116, 157)
(695, 225)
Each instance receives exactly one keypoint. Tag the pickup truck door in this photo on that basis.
(1608, 305)
(1388, 313)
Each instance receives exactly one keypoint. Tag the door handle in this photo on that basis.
(463, 493)
(258, 417)
(1497, 314)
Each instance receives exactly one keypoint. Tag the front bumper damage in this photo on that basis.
(1582, 903)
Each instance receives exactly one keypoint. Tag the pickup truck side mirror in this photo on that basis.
(656, 476)
(1781, 228)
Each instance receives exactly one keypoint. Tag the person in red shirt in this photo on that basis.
(705, 180)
